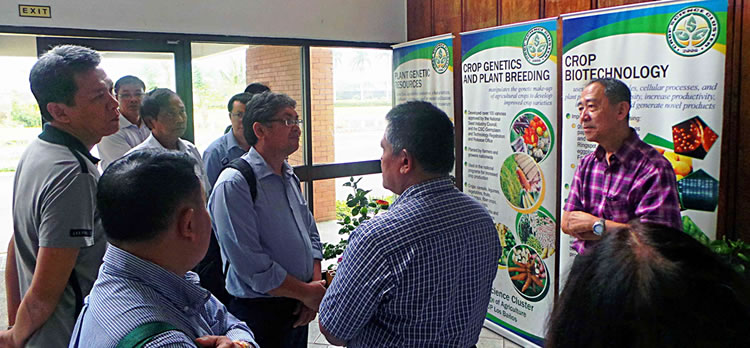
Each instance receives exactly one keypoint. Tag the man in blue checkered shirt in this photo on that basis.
(420, 274)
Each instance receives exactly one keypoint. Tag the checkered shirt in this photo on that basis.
(419, 275)
(637, 183)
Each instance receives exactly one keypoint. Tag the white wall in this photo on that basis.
(347, 20)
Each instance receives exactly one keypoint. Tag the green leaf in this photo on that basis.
(347, 220)
(344, 229)
(691, 24)
(682, 35)
(347, 184)
(356, 222)
(351, 203)
(531, 49)
(700, 34)
(350, 227)
(349, 197)
(372, 205)
(355, 211)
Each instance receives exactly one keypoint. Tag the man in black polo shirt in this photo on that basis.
(58, 241)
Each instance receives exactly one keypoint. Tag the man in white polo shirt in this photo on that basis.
(58, 242)
(133, 131)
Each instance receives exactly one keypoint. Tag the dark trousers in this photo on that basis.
(271, 321)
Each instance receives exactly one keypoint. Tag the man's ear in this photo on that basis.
(258, 130)
(623, 109)
(59, 112)
(406, 162)
(149, 122)
(185, 223)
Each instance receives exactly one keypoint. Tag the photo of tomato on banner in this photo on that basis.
(522, 183)
(531, 133)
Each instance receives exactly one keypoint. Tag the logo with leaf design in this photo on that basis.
(537, 45)
(441, 58)
(692, 31)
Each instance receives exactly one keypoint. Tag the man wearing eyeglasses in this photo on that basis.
(270, 245)
(133, 131)
(230, 145)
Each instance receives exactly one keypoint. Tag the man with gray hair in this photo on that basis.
(641, 182)
(58, 242)
(420, 274)
(269, 242)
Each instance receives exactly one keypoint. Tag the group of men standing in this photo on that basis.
(392, 286)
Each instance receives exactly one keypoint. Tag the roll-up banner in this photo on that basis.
(510, 153)
(672, 56)
(423, 70)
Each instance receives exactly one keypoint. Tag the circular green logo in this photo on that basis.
(441, 58)
(692, 31)
(537, 45)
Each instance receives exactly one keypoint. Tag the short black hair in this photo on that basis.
(240, 97)
(256, 87)
(52, 77)
(650, 286)
(263, 107)
(154, 101)
(129, 80)
(138, 195)
(615, 90)
(424, 131)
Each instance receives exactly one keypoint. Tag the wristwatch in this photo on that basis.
(598, 227)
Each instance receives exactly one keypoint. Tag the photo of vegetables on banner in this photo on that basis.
(509, 88)
(672, 56)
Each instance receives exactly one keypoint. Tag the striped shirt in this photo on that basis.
(419, 275)
(131, 291)
(638, 182)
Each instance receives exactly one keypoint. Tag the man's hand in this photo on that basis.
(306, 315)
(316, 289)
(8, 340)
(220, 342)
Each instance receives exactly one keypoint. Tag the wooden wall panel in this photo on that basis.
(613, 3)
(554, 8)
(514, 11)
(739, 183)
(446, 16)
(418, 19)
(479, 14)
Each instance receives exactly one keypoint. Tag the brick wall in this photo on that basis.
(279, 67)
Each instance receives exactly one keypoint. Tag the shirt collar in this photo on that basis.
(57, 136)
(627, 150)
(264, 170)
(153, 142)
(426, 187)
(231, 141)
(181, 291)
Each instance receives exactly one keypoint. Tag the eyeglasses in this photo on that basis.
(236, 114)
(288, 122)
(128, 96)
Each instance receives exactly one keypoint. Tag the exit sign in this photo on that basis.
(34, 11)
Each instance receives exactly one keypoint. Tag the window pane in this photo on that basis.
(20, 120)
(223, 70)
(351, 93)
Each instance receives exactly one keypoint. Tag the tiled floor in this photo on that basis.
(487, 339)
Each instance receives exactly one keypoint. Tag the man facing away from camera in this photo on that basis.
(419, 274)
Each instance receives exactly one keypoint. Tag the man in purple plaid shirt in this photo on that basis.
(624, 178)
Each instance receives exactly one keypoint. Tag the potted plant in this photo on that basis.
(359, 208)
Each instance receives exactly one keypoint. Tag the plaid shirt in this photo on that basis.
(419, 275)
(637, 183)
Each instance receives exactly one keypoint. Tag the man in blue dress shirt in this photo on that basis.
(230, 145)
(420, 274)
(271, 243)
(145, 275)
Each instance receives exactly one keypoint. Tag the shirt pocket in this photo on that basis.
(618, 209)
